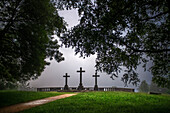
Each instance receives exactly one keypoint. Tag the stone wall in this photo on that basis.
(87, 88)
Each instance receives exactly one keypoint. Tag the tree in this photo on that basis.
(8, 85)
(124, 33)
(155, 88)
(144, 87)
(26, 38)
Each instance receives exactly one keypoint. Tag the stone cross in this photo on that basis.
(96, 86)
(80, 87)
(66, 86)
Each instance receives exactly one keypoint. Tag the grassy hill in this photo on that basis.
(107, 102)
(10, 97)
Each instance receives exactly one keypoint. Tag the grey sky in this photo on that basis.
(53, 74)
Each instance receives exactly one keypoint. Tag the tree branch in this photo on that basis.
(11, 20)
(144, 51)
(146, 19)
(151, 51)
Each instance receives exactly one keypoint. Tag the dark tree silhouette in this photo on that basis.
(124, 33)
(26, 38)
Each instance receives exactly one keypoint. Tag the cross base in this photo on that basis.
(66, 87)
(80, 87)
(96, 87)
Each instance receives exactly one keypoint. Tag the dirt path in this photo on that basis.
(27, 105)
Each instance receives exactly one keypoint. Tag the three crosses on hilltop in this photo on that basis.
(80, 87)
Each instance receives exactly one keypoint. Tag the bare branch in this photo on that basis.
(163, 13)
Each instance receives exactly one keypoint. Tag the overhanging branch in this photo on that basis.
(146, 19)
(145, 51)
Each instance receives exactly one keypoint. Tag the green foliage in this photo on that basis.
(124, 33)
(155, 88)
(26, 38)
(107, 102)
(144, 87)
(7, 85)
(10, 97)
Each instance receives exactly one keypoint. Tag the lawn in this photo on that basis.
(9, 97)
(107, 102)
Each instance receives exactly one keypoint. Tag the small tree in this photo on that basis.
(155, 88)
(143, 87)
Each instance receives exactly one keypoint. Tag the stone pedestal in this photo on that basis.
(96, 87)
(66, 87)
(80, 87)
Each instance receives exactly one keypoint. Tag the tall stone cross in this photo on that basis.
(66, 86)
(96, 86)
(80, 87)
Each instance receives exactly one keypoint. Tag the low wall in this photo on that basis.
(87, 88)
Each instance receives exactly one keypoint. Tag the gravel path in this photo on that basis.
(27, 105)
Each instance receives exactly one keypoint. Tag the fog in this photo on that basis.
(52, 76)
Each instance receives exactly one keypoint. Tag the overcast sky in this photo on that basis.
(53, 74)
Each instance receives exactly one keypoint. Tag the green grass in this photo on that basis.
(107, 102)
(9, 97)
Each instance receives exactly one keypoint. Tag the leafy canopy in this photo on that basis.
(124, 33)
(26, 38)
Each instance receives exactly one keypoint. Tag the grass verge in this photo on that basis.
(107, 102)
(9, 97)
